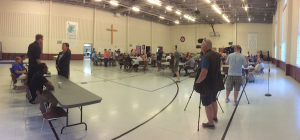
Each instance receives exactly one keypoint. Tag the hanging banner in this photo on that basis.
(252, 41)
(72, 33)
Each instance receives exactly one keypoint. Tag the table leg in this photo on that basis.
(67, 124)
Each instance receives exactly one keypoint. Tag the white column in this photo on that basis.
(50, 28)
(127, 34)
(94, 30)
(289, 32)
(151, 41)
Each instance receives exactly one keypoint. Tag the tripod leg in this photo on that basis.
(189, 100)
(220, 105)
(247, 97)
(218, 94)
(199, 112)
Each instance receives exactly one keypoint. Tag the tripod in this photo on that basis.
(242, 86)
(228, 125)
(200, 106)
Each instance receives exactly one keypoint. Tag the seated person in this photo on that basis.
(18, 71)
(168, 57)
(172, 63)
(153, 60)
(190, 64)
(145, 59)
(148, 54)
(136, 63)
(37, 83)
(129, 60)
(99, 55)
(121, 60)
(183, 58)
(250, 59)
(22, 58)
(255, 58)
(257, 70)
(196, 57)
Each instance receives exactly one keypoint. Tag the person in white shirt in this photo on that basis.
(136, 63)
(257, 70)
(168, 57)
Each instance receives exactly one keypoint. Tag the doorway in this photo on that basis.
(138, 49)
(159, 48)
(147, 49)
(87, 50)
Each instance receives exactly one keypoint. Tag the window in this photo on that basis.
(298, 51)
(283, 51)
(284, 2)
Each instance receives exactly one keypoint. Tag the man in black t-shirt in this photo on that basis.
(36, 88)
(33, 53)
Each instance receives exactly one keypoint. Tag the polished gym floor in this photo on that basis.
(150, 106)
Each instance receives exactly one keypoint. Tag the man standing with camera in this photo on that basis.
(209, 82)
(235, 60)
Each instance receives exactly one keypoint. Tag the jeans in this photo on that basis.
(186, 69)
(105, 62)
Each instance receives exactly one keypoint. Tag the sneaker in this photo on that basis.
(186, 75)
(215, 119)
(227, 100)
(177, 81)
(207, 125)
(236, 103)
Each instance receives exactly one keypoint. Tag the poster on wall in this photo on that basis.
(252, 41)
(72, 33)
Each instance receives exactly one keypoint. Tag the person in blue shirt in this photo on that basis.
(234, 80)
(95, 58)
(92, 53)
(209, 82)
(22, 58)
(17, 70)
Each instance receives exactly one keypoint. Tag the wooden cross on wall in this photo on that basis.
(112, 33)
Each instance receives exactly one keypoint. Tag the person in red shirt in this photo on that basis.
(135, 52)
(106, 56)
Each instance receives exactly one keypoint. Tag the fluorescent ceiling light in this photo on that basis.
(249, 19)
(225, 18)
(113, 3)
(98, 0)
(155, 2)
(169, 8)
(208, 1)
(217, 9)
(177, 22)
(135, 9)
(161, 17)
(190, 18)
(178, 12)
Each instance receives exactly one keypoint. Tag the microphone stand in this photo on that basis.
(269, 74)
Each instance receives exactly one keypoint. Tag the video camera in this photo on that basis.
(230, 49)
(199, 41)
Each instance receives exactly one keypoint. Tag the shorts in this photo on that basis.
(209, 99)
(176, 67)
(48, 97)
(22, 77)
(234, 81)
